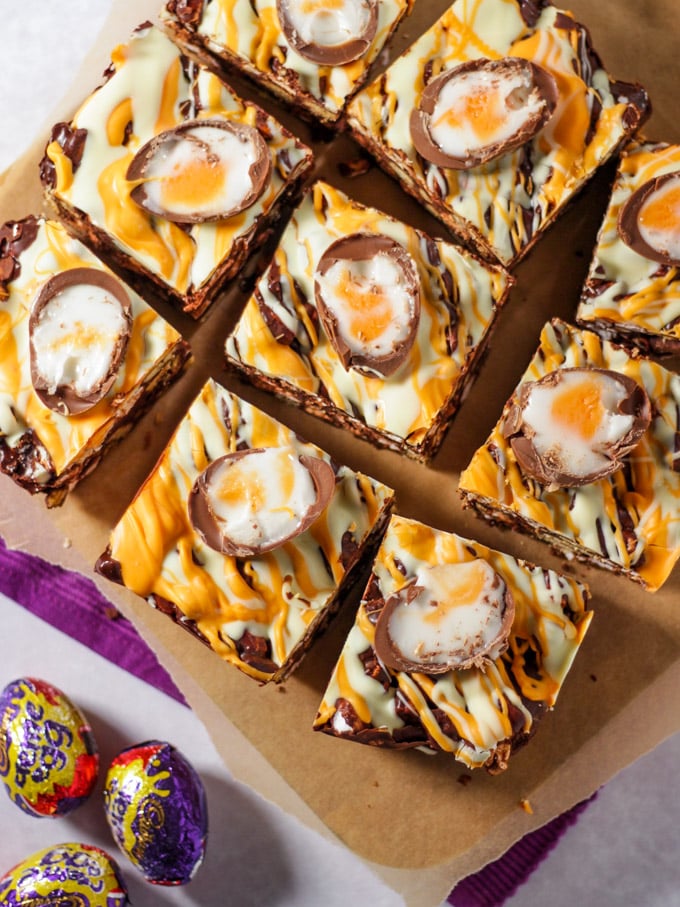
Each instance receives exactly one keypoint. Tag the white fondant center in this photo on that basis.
(481, 108)
(328, 24)
(576, 420)
(457, 613)
(371, 301)
(262, 497)
(204, 171)
(76, 336)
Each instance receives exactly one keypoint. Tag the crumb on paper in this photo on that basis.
(464, 780)
(593, 677)
(67, 543)
(526, 806)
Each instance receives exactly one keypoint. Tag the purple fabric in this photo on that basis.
(493, 885)
(74, 605)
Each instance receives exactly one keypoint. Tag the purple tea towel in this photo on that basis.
(73, 604)
(496, 882)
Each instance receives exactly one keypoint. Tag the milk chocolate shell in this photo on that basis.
(367, 293)
(252, 501)
(575, 425)
(481, 110)
(329, 34)
(449, 617)
(649, 222)
(200, 171)
(79, 328)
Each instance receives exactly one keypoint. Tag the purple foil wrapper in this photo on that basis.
(156, 808)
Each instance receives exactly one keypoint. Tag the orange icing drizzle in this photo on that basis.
(117, 122)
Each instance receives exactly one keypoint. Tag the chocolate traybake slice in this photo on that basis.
(312, 55)
(632, 292)
(168, 175)
(586, 456)
(456, 648)
(246, 535)
(82, 357)
(494, 118)
(368, 323)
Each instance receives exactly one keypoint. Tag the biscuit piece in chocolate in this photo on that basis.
(575, 425)
(367, 292)
(449, 617)
(202, 170)
(252, 501)
(649, 222)
(482, 109)
(329, 34)
(79, 329)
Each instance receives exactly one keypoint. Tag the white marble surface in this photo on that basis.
(624, 850)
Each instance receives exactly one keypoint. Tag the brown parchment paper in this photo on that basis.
(405, 814)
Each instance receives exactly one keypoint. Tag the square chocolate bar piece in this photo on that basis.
(311, 55)
(586, 457)
(494, 118)
(246, 535)
(632, 292)
(168, 175)
(368, 323)
(82, 357)
(456, 648)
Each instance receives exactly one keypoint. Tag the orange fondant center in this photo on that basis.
(480, 110)
(194, 184)
(579, 408)
(662, 210)
(371, 312)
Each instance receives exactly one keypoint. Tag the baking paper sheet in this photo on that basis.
(409, 816)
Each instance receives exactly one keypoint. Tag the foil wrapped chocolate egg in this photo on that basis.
(155, 805)
(65, 875)
(48, 756)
